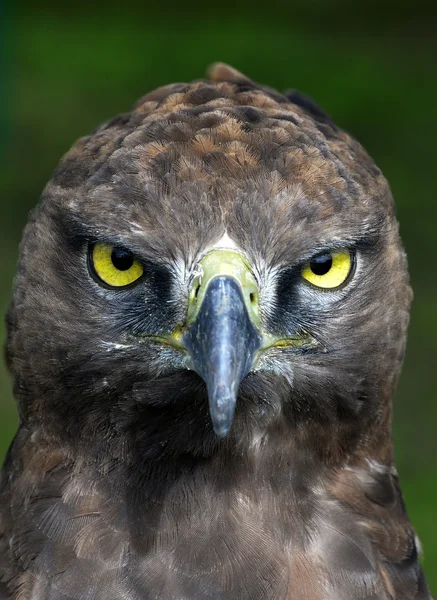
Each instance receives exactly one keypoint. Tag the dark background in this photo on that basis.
(373, 66)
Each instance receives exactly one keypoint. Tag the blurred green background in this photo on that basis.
(372, 66)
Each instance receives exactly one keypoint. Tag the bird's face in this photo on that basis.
(186, 263)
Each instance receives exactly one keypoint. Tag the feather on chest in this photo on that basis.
(212, 533)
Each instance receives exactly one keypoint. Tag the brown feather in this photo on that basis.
(115, 486)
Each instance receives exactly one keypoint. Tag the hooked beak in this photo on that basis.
(222, 342)
(222, 336)
(222, 331)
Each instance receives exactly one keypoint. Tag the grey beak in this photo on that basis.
(223, 343)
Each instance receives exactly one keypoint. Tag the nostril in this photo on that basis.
(196, 292)
(253, 298)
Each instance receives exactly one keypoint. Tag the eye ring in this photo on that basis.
(329, 270)
(113, 267)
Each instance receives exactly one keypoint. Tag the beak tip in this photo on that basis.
(222, 414)
(221, 429)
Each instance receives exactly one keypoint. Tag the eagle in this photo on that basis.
(207, 326)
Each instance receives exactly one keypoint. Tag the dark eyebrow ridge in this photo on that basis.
(365, 242)
(78, 235)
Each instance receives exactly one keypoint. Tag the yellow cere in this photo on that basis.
(337, 270)
(230, 263)
(102, 259)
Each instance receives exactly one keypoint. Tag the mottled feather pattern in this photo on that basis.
(116, 486)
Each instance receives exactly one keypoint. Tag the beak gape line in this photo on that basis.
(223, 337)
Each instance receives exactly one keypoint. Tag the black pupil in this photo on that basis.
(122, 259)
(321, 264)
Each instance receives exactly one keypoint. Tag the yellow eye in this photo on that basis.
(115, 266)
(329, 269)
